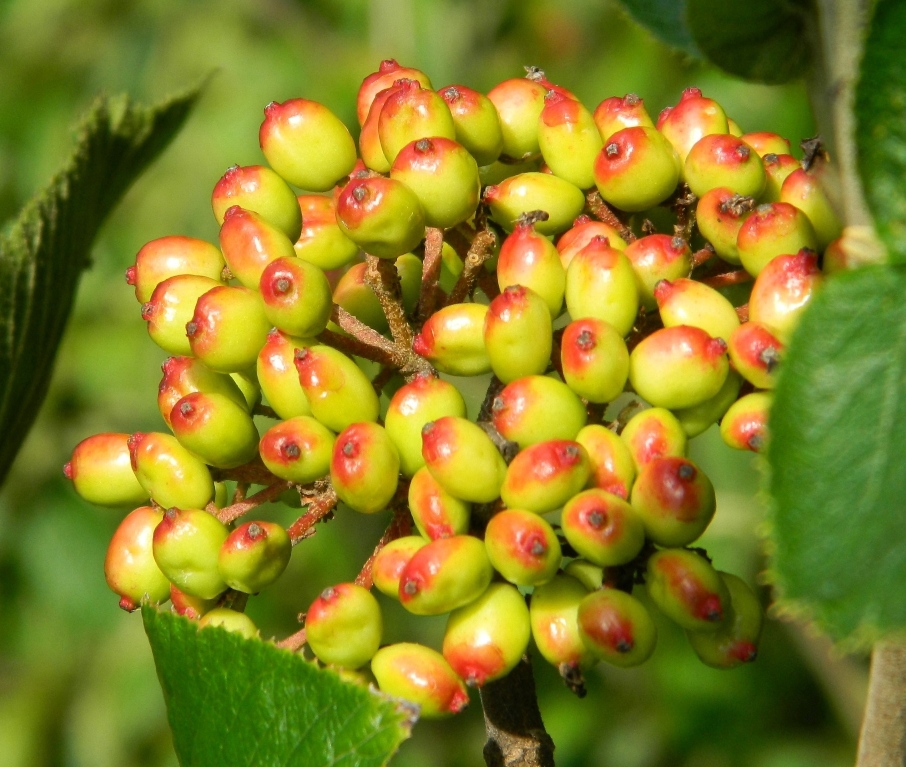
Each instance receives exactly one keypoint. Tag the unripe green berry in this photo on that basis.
(391, 560)
(353, 293)
(594, 359)
(583, 230)
(298, 449)
(653, 433)
(186, 547)
(101, 471)
(170, 307)
(615, 113)
(364, 467)
(773, 229)
(296, 295)
(756, 353)
(544, 476)
(254, 555)
(435, 512)
(388, 72)
(188, 606)
(530, 259)
(522, 547)
(259, 189)
(230, 620)
(636, 169)
(344, 625)
(170, 474)
(278, 377)
(452, 340)
(612, 466)
(184, 375)
(657, 257)
(518, 333)
(129, 567)
(338, 392)
(735, 642)
(421, 676)
(215, 428)
(719, 215)
(687, 589)
(476, 122)
(321, 242)
(553, 615)
(697, 419)
(689, 302)
(250, 243)
(486, 638)
(445, 574)
(519, 102)
(537, 409)
(602, 527)
(693, 117)
(722, 160)
(412, 113)
(525, 192)
(804, 190)
(569, 139)
(745, 424)
(166, 257)
(782, 291)
(616, 627)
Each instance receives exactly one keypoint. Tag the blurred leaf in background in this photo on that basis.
(77, 682)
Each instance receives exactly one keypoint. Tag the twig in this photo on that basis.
(684, 207)
(235, 510)
(479, 252)
(434, 243)
(603, 212)
(382, 277)
(516, 734)
(319, 507)
(293, 642)
(400, 525)
(882, 742)
(736, 277)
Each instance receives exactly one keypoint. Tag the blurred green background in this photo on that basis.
(77, 682)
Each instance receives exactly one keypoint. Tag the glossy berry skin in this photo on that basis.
(369, 139)
(590, 575)
(228, 329)
(602, 527)
(580, 234)
(338, 392)
(536, 409)
(722, 160)
(544, 476)
(445, 574)
(364, 467)
(484, 640)
(612, 465)
(764, 142)
(129, 567)
(697, 419)
(616, 627)
(307, 144)
(298, 449)
(388, 72)
(687, 589)
(569, 139)
(653, 433)
(615, 113)
(166, 257)
(518, 333)
(782, 291)
(321, 242)
(719, 215)
(215, 428)
(101, 471)
(391, 560)
(693, 117)
(776, 168)
(463, 459)
(674, 499)
(529, 191)
(595, 359)
(678, 367)
(522, 547)
(452, 340)
(278, 377)
(254, 556)
(229, 620)
(773, 229)
(553, 615)
(435, 512)
(519, 102)
(296, 295)
(411, 113)
(636, 169)
(444, 177)
(803, 189)
(171, 306)
(421, 676)
(476, 122)
(381, 215)
(657, 257)
(186, 545)
(755, 353)
(736, 642)
(424, 399)
(530, 259)
(344, 625)
(249, 243)
(601, 283)
(170, 474)
(188, 606)
(689, 302)
(745, 424)
(259, 189)
(184, 375)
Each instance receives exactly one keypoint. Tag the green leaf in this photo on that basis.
(242, 703)
(762, 41)
(666, 20)
(45, 251)
(880, 133)
(836, 458)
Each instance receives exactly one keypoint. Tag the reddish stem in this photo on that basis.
(737, 277)
(235, 510)
(293, 642)
(400, 525)
(479, 252)
(603, 212)
(434, 243)
(319, 507)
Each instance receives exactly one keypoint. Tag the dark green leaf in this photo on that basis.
(666, 20)
(763, 41)
(231, 701)
(836, 458)
(881, 125)
(44, 253)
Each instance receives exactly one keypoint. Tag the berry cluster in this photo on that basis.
(504, 237)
